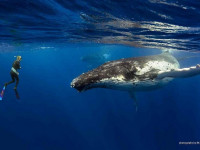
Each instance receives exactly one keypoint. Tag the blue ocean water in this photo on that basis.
(60, 39)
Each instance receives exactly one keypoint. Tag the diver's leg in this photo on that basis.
(17, 82)
(13, 79)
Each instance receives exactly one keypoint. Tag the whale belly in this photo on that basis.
(120, 84)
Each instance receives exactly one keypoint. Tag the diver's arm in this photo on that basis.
(18, 65)
(180, 73)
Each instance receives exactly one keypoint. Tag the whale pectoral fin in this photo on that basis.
(180, 73)
(132, 95)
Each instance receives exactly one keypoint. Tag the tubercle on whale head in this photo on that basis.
(83, 82)
(76, 83)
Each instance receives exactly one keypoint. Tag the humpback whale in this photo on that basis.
(134, 74)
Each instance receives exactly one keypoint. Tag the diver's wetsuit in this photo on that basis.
(14, 74)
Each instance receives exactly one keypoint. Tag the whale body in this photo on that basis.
(135, 74)
(130, 74)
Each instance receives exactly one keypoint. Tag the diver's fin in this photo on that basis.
(132, 95)
(17, 94)
(2, 93)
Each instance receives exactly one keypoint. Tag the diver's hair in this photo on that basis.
(19, 57)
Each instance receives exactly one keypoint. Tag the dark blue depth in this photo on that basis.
(50, 115)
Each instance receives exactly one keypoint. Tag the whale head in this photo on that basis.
(85, 81)
(107, 75)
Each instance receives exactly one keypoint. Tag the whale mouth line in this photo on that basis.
(75, 84)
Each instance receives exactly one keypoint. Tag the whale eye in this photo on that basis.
(129, 75)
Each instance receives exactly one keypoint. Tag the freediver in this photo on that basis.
(14, 74)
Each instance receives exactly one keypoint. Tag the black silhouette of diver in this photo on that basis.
(14, 74)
